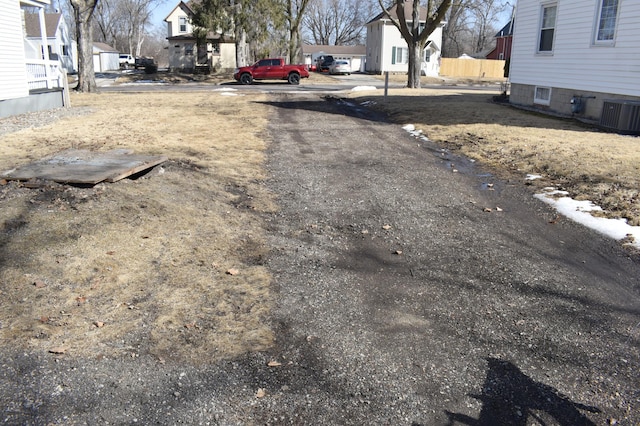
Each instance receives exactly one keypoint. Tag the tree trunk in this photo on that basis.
(294, 46)
(83, 13)
(241, 48)
(415, 65)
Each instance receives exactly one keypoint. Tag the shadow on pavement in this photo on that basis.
(510, 397)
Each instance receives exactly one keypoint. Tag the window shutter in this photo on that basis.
(393, 55)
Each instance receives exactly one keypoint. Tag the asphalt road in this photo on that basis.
(105, 81)
(401, 301)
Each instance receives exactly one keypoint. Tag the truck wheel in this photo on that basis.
(294, 78)
(246, 78)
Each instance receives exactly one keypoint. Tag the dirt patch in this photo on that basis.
(140, 265)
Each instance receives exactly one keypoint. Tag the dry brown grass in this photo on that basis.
(140, 265)
(449, 81)
(589, 163)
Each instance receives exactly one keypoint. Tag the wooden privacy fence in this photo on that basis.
(483, 68)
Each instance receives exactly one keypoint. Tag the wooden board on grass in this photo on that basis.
(86, 167)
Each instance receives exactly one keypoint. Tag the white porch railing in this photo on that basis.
(43, 74)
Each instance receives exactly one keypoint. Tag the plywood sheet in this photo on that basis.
(86, 167)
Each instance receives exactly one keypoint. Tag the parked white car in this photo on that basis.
(340, 67)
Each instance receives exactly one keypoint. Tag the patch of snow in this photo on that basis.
(226, 89)
(362, 88)
(228, 94)
(533, 177)
(411, 129)
(578, 211)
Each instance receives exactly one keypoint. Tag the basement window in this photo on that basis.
(542, 95)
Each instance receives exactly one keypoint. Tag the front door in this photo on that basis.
(203, 58)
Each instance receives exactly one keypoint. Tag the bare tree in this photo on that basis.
(336, 22)
(485, 15)
(413, 32)
(106, 21)
(124, 24)
(456, 36)
(83, 13)
(471, 25)
(294, 14)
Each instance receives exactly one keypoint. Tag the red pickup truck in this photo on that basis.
(271, 69)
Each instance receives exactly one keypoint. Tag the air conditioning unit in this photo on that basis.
(621, 116)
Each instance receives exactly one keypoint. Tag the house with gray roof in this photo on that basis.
(60, 46)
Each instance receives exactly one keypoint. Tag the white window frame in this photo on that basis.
(542, 28)
(182, 24)
(539, 90)
(399, 55)
(598, 26)
(402, 55)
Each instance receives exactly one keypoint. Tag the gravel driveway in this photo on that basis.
(406, 297)
(404, 300)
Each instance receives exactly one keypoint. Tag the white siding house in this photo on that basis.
(59, 42)
(13, 79)
(388, 51)
(587, 51)
(185, 54)
(26, 83)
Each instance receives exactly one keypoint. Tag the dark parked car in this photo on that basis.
(324, 62)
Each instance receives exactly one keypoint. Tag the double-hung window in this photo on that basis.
(399, 55)
(182, 21)
(547, 27)
(606, 24)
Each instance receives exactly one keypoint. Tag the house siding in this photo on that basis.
(383, 39)
(576, 64)
(13, 80)
(183, 42)
(173, 22)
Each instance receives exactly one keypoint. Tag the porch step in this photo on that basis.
(203, 69)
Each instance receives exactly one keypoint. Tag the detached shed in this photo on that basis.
(105, 58)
